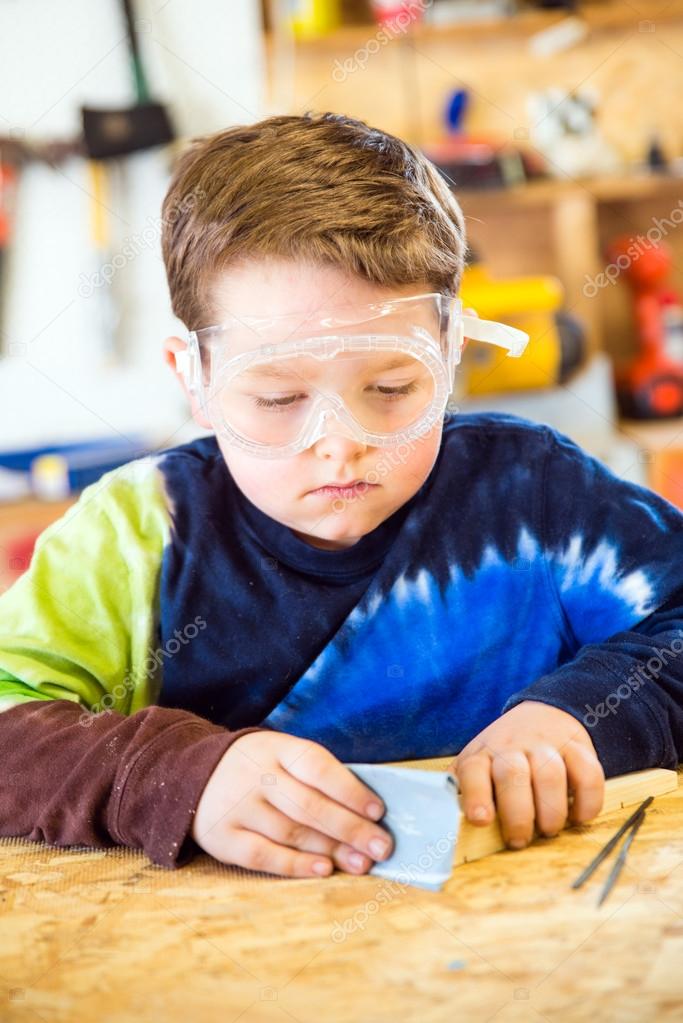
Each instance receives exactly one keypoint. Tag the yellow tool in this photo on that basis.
(311, 18)
(106, 317)
(530, 303)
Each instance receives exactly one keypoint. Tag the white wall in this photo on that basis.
(204, 59)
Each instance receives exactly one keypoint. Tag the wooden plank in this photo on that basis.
(106, 935)
(475, 842)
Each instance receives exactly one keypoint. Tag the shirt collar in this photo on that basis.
(347, 563)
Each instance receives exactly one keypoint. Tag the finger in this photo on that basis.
(549, 784)
(256, 852)
(476, 788)
(587, 781)
(309, 806)
(514, 797)
(266, 820)
(316, 766)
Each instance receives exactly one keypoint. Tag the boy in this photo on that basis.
(203, 639)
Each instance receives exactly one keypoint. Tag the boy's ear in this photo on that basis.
(170, 346)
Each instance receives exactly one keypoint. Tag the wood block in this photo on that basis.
(621, 791)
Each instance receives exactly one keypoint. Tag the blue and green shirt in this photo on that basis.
(522, 569)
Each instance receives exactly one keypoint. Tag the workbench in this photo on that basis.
(106, 936)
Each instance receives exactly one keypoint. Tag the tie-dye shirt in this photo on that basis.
(522, 569)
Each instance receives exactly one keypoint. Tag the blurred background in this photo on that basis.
(558, 125)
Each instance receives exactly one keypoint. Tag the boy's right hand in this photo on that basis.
(282, 804)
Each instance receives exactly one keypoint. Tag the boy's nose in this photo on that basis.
(339, 436)
(338, 446)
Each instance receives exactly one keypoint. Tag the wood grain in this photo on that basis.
(107, 936)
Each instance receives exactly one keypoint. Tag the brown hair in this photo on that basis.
(324, 188)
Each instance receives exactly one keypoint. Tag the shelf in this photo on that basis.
(615, 188)
(599, 17)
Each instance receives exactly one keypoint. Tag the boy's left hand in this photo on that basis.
(534, 755)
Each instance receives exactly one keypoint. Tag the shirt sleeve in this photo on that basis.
(81, 622)
(614, 556)
(87, 758)
(70, 777)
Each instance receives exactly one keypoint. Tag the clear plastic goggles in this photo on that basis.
(381, 373)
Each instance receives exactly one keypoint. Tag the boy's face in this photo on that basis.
(285, 488)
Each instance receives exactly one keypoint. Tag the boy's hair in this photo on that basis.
(322, 188)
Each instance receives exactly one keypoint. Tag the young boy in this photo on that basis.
(206, 636)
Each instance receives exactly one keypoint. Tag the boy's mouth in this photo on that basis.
(343, 483)
(350, 489)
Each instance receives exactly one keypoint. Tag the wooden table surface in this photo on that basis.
(107, 936)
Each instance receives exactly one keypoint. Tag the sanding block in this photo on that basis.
(422, 816)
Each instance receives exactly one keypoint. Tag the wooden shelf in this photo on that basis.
(560, 227)
(615, 188)
(607, 16)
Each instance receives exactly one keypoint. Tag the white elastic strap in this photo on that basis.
(186, 365)
(182, 362)
(493, 333)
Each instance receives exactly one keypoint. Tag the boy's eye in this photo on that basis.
(403, 389)
(277, 402)
(384, 390)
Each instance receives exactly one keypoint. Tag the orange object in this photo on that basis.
(666, 475)
(8, 182)
(650, 386)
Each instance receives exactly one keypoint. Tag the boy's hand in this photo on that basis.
(275, 801)
(533, 754)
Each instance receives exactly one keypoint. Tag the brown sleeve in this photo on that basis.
(71, 777)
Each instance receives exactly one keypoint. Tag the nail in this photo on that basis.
(356, 859)
(378, 847)
(374, 810)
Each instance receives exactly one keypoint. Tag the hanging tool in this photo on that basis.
(109, 135)
(118, 132)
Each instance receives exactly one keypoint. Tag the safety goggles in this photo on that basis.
(380, 373)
